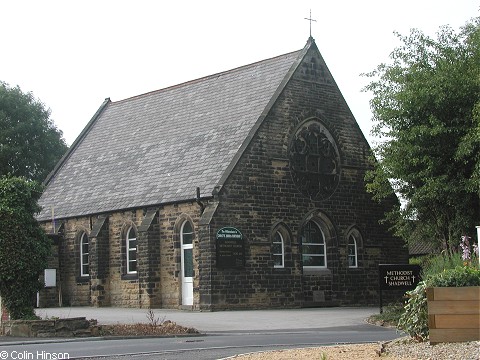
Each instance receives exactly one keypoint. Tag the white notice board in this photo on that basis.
(50, 277)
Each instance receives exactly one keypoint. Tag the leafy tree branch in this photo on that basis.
(426, 110)
(30, 144)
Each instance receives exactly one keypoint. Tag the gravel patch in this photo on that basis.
(406, 348)
(400, 349)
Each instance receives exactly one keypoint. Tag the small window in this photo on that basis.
(84, 251)
(278, 250)
(352, 251)
(313, 246)
(187, 233)
(131, 250)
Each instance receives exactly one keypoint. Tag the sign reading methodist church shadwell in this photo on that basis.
(398, 276)
(230, 249)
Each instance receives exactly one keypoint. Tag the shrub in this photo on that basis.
(437, 264)
(24, 246)
(390, 315)
(460, 276)
(414, 320)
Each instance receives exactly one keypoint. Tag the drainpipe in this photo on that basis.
(202, 206)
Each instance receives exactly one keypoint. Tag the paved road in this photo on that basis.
(221, 321)
(224, 333)
(211, 346)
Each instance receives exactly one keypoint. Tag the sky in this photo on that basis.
(73, 54)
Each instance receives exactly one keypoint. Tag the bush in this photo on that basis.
(460, 276)
(433, 265)
(390, 315)
(414, 320)
(24, 246)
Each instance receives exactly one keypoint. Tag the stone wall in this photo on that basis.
(157, 282)
(50, 296)
(47, 328)
(75, 289)
(123, 289)
(171, 219)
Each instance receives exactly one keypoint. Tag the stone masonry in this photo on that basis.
(157, 282)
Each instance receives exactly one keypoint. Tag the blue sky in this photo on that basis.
(74, 54)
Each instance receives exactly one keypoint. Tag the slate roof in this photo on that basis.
(422, 248)
(159, 147)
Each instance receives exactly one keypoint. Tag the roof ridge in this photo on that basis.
(204, 78)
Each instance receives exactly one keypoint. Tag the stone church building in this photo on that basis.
(243, 189)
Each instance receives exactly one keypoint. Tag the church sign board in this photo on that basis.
(398, 276)
(230, 249)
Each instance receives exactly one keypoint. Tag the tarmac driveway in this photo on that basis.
(221, 321)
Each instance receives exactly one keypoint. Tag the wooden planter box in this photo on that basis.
(454, 314)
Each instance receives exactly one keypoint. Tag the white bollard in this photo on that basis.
(478, 242)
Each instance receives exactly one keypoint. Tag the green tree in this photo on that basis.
(24, 246)
(30, 144)
(426, 110)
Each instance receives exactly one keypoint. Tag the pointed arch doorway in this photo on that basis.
(186, 241)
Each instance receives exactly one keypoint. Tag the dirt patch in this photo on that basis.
(164, 328)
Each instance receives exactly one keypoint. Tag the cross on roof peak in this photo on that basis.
(310, 19)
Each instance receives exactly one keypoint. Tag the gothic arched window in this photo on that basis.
(314, 250)
(352, 251)
(131, 250)
(278, 250)
(84, 251)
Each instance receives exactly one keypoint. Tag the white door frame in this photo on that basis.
(187, 279)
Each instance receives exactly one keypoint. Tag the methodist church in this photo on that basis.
(240, 190)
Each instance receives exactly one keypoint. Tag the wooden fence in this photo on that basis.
(454, 314)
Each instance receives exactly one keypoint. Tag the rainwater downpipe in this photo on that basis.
(197, 199)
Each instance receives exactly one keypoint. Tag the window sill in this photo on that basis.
(318, 272)
(133, 276)
(83, 279)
